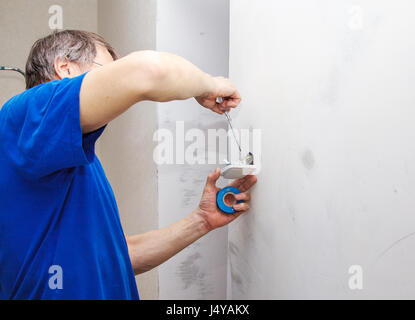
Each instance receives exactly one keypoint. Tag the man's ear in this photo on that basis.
(62, 68)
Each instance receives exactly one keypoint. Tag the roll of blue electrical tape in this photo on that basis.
(220, 198)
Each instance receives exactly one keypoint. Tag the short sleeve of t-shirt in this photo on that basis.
(41, 132)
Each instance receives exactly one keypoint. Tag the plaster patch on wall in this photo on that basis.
(191, 274)
(307, 159)
(188, 197)
(292, 213)
(189, 271)
(233, 249)
(237, 279)
(330, 95)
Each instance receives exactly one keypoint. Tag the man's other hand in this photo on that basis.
(208, 209)
(222, 88)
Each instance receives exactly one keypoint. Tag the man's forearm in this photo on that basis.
(150, 249)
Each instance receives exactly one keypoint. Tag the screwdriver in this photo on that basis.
(249, 158)
(220, 100)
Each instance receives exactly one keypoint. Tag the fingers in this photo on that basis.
(238, 182)
(212, 178)
(217, 109)
(243, 196)
(223, 109)
(243, 206)
(220, 108)
(227, 92)
(229, 102)
(234, 100)
(245, 183)
(248, 183)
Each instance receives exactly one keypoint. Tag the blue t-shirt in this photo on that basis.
(60, 231)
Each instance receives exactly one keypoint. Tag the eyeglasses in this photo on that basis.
(97, 63)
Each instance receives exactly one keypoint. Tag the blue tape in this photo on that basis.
(221, 196)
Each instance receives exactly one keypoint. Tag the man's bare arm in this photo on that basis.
(150, 249)
(110, 90)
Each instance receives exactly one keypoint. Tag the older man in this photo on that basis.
(58, 213)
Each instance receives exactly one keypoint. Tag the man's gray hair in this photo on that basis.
(74, 45)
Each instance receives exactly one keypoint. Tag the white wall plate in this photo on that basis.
(236, 171)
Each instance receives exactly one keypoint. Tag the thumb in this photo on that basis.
(212, 178)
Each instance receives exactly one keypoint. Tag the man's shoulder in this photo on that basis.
(36, 95)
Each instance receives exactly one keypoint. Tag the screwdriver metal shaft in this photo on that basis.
(233, 132)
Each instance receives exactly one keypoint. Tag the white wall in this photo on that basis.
(126, 147)
(330, 83)
(198, 31)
